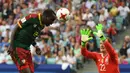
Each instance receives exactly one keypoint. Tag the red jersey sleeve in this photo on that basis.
(30, 19)
(88, 54)
(111, 51)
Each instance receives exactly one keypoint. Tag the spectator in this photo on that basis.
(112, 32)
(123, 50)
(10, 19)
(119, 22)
(89, 3)
(102, 17)
(91, 23)
(77, 54)
(93, 45)
(8, 59)
(55, 50)
(4, 26)
(42, 4)
(114, 10)
(25, 10)
(39, 59)
(2, 58)
(109, 5)
(5, 12)
(47, 51)
(126, 45)
(71, 59)
(77, 34)
(122, 60)
(87, 15)
(93, 9)
(68, 32)
(96, 17)
(123, 9)
(4, 43)
(46, 34)
(51, 5)
(60, 59)
(72, 41)
(7, 33)
(17, 12)
(76, 4)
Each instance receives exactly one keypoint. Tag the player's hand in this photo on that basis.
(99, 32)
(85, 36)
(38, 51)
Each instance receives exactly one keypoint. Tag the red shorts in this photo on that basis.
(24, 56)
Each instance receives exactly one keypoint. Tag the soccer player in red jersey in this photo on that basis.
(107, 59)
(24, 34)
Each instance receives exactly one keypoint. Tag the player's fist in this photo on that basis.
(38, 51)
(85, 36)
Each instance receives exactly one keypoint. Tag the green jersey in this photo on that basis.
(30, 28)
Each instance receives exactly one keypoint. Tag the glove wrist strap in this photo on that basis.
(103, 38)
(83, 43)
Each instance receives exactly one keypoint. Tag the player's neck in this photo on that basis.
(104, 53)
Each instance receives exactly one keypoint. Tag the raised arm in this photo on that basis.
(110, 50)
(85, 36)
(106, 43)
(88, 54)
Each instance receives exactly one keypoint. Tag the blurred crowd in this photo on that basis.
(124, 51)
(60, 43)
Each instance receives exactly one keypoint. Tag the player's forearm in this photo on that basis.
(13, 35)
(109, 48)
(88, 54)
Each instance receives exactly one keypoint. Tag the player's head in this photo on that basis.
(49, 17)
(102, 47)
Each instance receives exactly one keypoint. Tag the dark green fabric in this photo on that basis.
(27, 34)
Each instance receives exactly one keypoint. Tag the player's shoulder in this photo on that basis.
(33, 15)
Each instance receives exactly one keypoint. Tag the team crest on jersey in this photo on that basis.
(35, 34)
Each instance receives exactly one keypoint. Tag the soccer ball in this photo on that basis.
(63, 14)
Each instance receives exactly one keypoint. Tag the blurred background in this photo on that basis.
(60, 43)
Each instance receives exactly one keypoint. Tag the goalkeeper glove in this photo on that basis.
(85, 36)
(99, 32)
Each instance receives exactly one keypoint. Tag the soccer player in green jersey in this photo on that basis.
(24, 34)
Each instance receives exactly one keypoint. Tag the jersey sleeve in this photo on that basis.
(111, 51)
(88, 54)
(30, 19)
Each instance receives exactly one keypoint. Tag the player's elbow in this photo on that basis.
(84, 52)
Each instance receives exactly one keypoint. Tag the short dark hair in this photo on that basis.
(49, 13)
